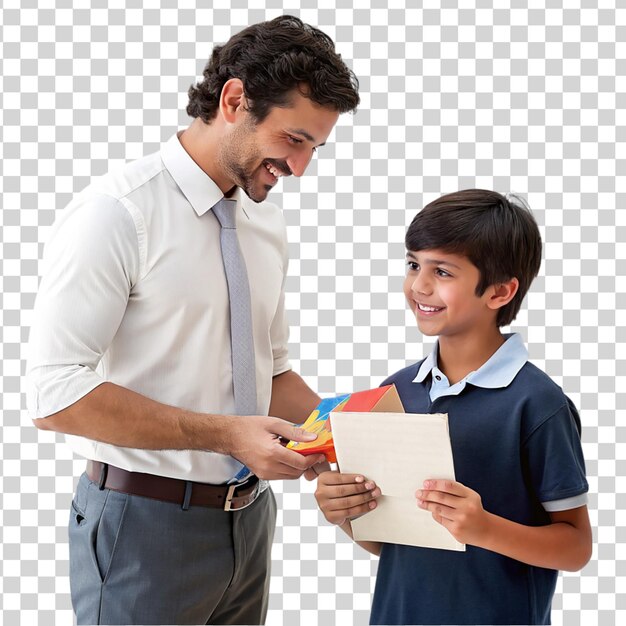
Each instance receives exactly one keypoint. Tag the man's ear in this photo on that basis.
(501, 294)
(232, 99)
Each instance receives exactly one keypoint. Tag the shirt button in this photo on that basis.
(438, 377)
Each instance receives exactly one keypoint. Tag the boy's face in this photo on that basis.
(440, 289)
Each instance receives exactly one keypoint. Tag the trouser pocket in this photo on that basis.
(96, 518)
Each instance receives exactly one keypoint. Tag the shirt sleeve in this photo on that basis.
(90, 265)
(279, 331)
(555, 462)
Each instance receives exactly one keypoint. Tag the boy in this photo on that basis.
(520, 500)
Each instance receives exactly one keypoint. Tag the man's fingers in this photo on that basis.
(322, 467)
(315, 470)
(287, 430)
(282, 471)
(295, 459)
(292, 431)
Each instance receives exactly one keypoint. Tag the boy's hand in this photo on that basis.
(343, 496)
(456, 507)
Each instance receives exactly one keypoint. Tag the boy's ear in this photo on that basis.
(232, 99)
(502, 293)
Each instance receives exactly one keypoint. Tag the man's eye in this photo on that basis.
(294, 139)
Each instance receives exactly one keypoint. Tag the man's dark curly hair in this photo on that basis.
(272, 59)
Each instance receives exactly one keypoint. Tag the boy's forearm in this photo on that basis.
(373, 547)
(560, 545)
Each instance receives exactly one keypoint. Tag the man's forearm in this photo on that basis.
(292, 399)
(119, 416)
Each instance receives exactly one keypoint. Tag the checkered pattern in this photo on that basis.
(526, 99)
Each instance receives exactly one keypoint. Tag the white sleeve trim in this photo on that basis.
(566, 504)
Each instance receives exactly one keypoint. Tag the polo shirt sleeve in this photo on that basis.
(554, 459)
(90, 265)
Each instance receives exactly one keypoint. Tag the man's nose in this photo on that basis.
(299, 162)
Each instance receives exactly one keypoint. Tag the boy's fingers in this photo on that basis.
(437, 497)
(354, 501)
(361, 510)
(448, 486)
(351, 489)
(438, 510)
(337, 478)
(343, 491)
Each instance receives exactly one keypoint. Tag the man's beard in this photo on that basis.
(245, 179)
(240, 166)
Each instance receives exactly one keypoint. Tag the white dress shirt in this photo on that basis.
(134, 293)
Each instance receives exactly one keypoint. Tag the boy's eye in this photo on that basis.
(441, 272)
(412, 266)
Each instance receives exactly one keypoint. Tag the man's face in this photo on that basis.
(254, 156)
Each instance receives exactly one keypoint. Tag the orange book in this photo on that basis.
(382, 400)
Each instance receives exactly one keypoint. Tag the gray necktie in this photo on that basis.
(241, 341)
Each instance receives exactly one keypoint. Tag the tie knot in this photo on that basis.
(224, 210)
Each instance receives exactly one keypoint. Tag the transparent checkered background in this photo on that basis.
(526, 99)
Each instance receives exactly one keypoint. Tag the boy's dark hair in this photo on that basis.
(272, 59)
(498, 234)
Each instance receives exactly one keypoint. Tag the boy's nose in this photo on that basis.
(421, 285)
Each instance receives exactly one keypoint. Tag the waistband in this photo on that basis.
(184, 492)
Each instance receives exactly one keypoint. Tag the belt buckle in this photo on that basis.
(231, 493)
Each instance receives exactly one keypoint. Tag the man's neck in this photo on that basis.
(201, 142)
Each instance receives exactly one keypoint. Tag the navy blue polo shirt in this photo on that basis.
(515, 440)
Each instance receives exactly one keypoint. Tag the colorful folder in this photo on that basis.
(382, 399)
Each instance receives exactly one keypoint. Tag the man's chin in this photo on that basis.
(257, 195)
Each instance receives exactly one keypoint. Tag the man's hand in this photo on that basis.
(456, 507)
(257, 441)
(344, 496)
(319, 468)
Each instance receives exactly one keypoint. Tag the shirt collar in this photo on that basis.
(499, 371)
(199, 189)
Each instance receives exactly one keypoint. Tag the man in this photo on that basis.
(159, 343)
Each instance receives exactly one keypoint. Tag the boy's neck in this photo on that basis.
(458, 356)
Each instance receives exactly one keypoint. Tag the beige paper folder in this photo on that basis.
(398, 451)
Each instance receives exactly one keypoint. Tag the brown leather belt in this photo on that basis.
(183, 492)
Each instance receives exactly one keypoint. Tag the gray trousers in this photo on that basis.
(135, 560)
